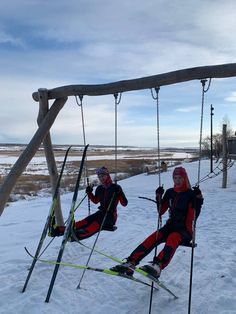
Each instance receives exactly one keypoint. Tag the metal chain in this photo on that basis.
(159, 222)
(203, 82)
(117, 101)
(156, 97)
(86, 177)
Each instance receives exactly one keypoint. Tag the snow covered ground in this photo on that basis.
(214, 277)
(38, 164)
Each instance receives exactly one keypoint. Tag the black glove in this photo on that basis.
(89, 189)
(196, 191)
(160, 191)
(118, 190)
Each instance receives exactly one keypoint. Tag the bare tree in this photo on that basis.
(216, 141)
(216, 144)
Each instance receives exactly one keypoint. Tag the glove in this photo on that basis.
(196, 191)
(89, 189)
(118, 190)
(160, 191)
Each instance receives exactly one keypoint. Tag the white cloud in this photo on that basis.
(187, 109)
(8, 39)
(231, 98)
(92, 42)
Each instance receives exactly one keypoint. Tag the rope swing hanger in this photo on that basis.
(79, 102)
(117, 97)
(156, 97)
(204, 90)
(117, 101)
(86, 176)
(103, 227)
(159, 221)
(193, 244)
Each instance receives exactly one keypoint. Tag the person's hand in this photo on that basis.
(89, 189)
(160, 191)
(197, 191)
(118, 190)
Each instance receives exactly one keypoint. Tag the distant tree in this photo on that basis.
(216, 145)
(216, 141)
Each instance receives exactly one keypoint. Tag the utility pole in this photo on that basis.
(212, 114)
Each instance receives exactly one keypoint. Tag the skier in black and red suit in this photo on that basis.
(108, 194)
(181, 201)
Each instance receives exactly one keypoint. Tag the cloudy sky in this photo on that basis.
(47, 44)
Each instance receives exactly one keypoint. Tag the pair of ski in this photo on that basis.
(136, 270)
(110, 272)
(106, 271)
(48, 221)
(68, 228)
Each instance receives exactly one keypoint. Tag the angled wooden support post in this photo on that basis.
(49, 154)
(29, 152)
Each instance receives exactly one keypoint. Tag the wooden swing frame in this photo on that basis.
(47, 116)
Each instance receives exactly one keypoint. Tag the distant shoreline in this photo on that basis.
(131, 161)
(65, 146)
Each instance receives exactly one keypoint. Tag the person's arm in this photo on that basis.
(91, 196)
(198, 200)
(189, 219)
(162, 203)
(123, 200)
(121, 195)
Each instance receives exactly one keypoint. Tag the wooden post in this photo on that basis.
(47, 144)
(224, 156)
(29, 152)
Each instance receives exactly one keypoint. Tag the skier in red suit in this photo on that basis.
(108, 194)
(182, 202)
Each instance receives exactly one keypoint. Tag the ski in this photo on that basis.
(48, 220)
(68, 226)
(106, 271)
(156, 280)
(137, 269)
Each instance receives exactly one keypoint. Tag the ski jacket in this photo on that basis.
(109, 197)
(181, 209)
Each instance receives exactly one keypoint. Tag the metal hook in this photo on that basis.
(157, 92)
(81, 100)
(203, 81)
(117, 98)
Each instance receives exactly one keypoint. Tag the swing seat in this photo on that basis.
(109, 228)
(187, 243)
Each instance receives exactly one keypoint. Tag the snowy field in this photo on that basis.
(38, 164)
(214, 276)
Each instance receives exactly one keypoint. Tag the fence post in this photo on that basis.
(224, 156)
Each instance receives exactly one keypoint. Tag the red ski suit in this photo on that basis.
(109, 196)
(177, 228)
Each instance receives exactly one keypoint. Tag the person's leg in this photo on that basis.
(89, 226)
(165, 256)
(87, 220)
(156, 238)
(139, 253)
